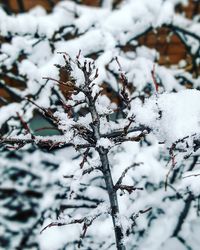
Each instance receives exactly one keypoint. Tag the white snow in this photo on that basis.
(180, 114)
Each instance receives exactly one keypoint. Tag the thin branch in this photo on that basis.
(85, 155)
(118, 133)
(154, 78)
(51, 143)
(191, 175)
(25, 125)
(125, 172)
(128, 188)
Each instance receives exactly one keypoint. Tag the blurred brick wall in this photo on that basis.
(168, 44)
(190, 10)
(193, 8)
(25, 5)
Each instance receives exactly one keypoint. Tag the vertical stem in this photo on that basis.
(113, 201)
(103, 154)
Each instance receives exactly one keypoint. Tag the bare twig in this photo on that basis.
(154, 78)
(125, 172)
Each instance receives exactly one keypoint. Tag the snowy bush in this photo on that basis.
(121, 169)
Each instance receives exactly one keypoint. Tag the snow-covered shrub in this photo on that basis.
(99, 138)
(71, 184)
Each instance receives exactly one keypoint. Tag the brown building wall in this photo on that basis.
(171, 49)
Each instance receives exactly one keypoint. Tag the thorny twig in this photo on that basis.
(124, 91)
(85, 155)
(87, 221)
(125, 172)
(154, 79)
(128, 188)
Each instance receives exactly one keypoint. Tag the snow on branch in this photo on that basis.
(101, 209)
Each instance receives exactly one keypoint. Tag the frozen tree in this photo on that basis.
(141, 128)
(94, 133)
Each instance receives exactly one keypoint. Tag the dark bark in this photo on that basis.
(183, 215)
(113, 201)
(112, 193)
